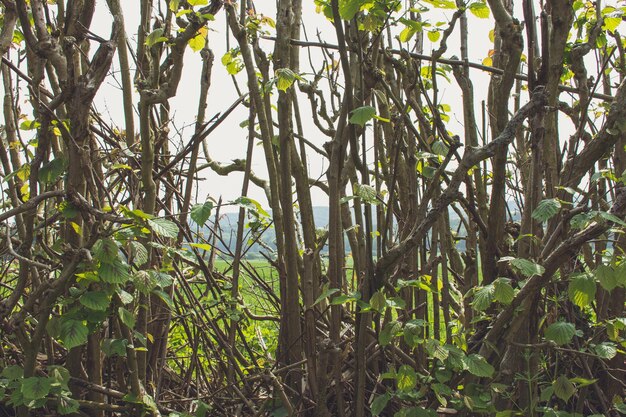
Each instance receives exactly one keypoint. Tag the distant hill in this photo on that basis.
(228, 231)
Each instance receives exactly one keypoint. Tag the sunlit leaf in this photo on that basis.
(581, 289)
(546, 209)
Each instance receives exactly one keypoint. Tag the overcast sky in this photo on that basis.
(229, 140)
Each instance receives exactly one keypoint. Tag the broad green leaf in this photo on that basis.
(112, 347)
(114, 273)
(477, 365)
(612, 218)
(406, 378)
(252, 205)
(144, 281)
(413, 333)
(73, 333)
(155, 37)
(483, 297)
(546, 209)
(434, 35)
(12, 372)
(326, 292)
(611, 23)
(67, 405)
(285, 78)
(436, 350)
(379, 404)
(349, 8)
(560, 332)
(479, 9)
(395, 302)
(607, 277)
(51, 171)
(406, 34)
(377, 302)
(390, 330)
(199, 41)
(165, 297)
(605, 350)
(503, 291)
(138, 253)
(563, 388)
(194, 3)
(360, 116)
(440, 148)
(526, 267)
(367, 193)
(105, 250)
(95, 300)
(35, 387)
(164, 228)
(126, 317)
(125, 297)
(581, 289)
(200, 213)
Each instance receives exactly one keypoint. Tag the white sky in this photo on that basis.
(229, 140)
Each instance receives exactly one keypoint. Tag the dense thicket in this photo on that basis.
(472, 271)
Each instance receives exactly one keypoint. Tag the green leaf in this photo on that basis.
(527, 267)
(114, 273)
(611, 23)
(164, 228)
(413, 333)
(200, 213)
(197, 42)
(560, 332)
(67, 405)
(605, 350)
(112, 347)
(612, 218)
(360, 116)
(563, 388)
(155, 37)
(285, 78)
(480, 10)
(349, 8)
(607, 277)
(73, 333)
(436, 350)
(138, 253)
(483, 297)
(503, 291)
(144, 281)
(194, 3)
(326, 292)
(51, 171)
(434, 35)
(406, 378)
(546, 209)
(35, 387)
(581, 289)
(126, 317)
(390, 330)
(165, 297)
(105, 250)
(379, 404)
(378, 301)
(95, 300)
(477, 365)
(366, 193)
(12, 372)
